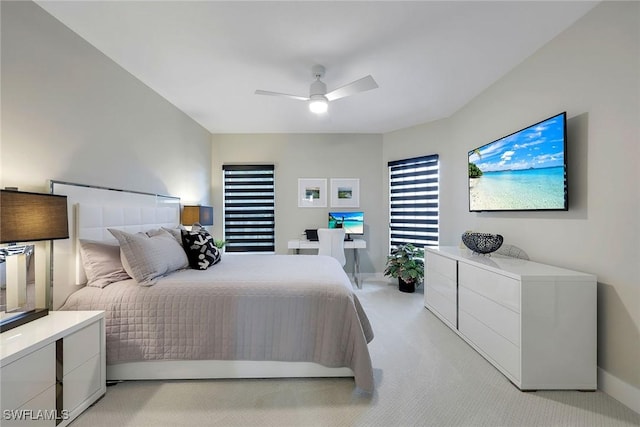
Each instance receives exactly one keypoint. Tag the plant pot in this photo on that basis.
(408, 287)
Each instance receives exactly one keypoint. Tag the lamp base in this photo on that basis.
(22, 318)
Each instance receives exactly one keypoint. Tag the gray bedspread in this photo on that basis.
(289, 308)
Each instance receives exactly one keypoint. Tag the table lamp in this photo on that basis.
(203, 215)
(27, 217)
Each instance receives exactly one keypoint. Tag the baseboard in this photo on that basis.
(623, 392)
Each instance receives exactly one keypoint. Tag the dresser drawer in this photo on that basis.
(443, 266)
(38, 412)
(442, 284)
(440, 292)
(497, 348)
(502, 320)
(81, 346)
(442, 306)
(501, 289)
(27, 377)
(81, 383)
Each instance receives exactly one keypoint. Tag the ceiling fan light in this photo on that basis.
(318, 104)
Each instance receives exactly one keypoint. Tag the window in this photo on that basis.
(413, 201)
(249, 204)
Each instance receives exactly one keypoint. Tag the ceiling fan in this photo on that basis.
(319, 97)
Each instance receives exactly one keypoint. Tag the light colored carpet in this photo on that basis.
(425, 376)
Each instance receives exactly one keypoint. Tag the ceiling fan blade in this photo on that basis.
(361, 85)
(286, 95)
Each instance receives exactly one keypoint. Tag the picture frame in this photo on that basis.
(345, 193)
(312, 193)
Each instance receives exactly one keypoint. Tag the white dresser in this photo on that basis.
(52, 368)
(535, 323)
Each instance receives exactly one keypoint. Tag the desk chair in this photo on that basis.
(331, 242)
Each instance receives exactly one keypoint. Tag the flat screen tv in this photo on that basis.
(523, 171)
(352, 222)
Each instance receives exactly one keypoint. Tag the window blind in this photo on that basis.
(413, 201)
(249, 208)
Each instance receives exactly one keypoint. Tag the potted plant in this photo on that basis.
(406, 262)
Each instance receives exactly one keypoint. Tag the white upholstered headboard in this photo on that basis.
(92, 210)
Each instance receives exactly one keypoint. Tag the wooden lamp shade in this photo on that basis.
(200, 214)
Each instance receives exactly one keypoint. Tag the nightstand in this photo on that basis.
(52, 369)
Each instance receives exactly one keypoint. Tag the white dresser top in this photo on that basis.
(513, 267)
(16, 342)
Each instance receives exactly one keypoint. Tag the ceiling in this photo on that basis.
(207, 58)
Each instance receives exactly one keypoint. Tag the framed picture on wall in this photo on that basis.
(345, 193)
(312, 193)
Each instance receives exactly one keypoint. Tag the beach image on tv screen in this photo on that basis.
(522, 171)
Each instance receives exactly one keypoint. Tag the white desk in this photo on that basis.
(354, 244)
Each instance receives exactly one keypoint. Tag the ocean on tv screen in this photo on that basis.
(520, 189)
(522, 171)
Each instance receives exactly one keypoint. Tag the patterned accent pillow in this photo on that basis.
(201, 251)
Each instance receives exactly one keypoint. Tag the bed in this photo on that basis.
(248, 316)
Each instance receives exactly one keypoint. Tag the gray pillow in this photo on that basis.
(146, 258)
(101, 262)
(175, 232)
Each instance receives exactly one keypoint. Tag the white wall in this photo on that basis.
(311, 156)
(592, 71)
(69, 113)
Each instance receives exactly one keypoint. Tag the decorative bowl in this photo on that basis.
(482, 243)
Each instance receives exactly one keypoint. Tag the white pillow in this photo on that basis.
(101, 262)
(146, 258)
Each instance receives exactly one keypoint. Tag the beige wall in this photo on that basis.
(431, 138)
(311, 156)
(591, 71)
(69, 113)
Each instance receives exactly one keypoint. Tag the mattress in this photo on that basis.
(291, 308)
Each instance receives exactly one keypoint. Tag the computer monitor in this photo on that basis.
(352, 222)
